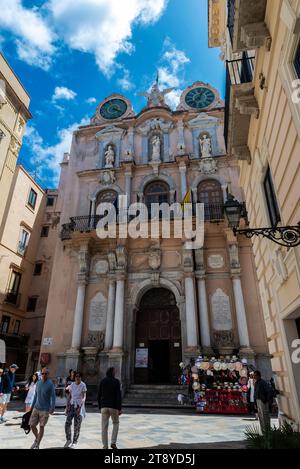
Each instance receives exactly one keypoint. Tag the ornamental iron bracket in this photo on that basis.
(287, 236)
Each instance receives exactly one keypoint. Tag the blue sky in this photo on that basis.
(71, 54)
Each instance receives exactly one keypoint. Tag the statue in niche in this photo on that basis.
(205, 145)
(109, 157)
(156, 148)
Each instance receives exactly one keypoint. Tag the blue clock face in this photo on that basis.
(113, 109)
(200, 98)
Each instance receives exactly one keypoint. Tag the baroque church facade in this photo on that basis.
(145, 305)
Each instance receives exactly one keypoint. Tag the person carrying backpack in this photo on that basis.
(7, 387)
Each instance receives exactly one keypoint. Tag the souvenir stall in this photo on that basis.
(217, 385)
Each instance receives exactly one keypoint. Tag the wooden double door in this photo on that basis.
(158, 337)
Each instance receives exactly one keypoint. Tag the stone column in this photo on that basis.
(119, 316)
(224, 190)
(78, 317)
(109, 333)
(241, 313)
(180, 143)
(128, 178)
(203, 314)
(182, 170)
(84, 259)
(93, 213)
(191, 323)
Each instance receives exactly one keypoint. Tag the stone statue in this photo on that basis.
(109, 157)
(156, 97)
(155, 148)
(205, 144)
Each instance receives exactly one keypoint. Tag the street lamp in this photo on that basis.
(287, 236)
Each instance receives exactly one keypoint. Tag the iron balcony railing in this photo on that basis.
(230, 18)
(237, 72)
(86, 224)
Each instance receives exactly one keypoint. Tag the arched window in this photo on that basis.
(211, 195)
(157, 192)
(109, 196)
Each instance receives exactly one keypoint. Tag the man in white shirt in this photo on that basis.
(75, 410)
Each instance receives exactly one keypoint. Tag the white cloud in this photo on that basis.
(102, 27)
(46, 157)
(61, 92)
(125, 82)
(91, 100)
(33, 37)
(171, 71)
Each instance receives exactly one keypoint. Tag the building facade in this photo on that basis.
(260, 41)
(14, 113)
(115, 300)
(19, 240)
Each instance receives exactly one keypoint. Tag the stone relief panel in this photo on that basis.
(171, 259)
(97, 313)
(215, 261)
(221, 311)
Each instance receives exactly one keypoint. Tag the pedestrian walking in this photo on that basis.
(110, 404)
(76, 410)
(30, 388)
(8, 381)
(263, 393)
(69, 380)
(43, 405)
(251, 395)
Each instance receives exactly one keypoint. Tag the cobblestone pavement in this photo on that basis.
(138, 429)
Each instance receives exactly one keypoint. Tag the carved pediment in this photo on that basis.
(155, 124)
(203, 120)
(110, 132)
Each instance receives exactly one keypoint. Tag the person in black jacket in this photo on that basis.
(110, 404)
(263, 395)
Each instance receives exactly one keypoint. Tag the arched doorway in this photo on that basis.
(158, 338)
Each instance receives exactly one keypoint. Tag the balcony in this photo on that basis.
(13, 298)
(246, 25)
(87, 224)
(240, 105)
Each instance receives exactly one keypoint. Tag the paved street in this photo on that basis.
(138, 429)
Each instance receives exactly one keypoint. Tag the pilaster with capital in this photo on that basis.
(82, 279)
(180, 142)
(121, 267)
(202, 302)
(190, 301)
(182, 165)
(128, 171)
(241, 316)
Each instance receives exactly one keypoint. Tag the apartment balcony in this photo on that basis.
(88, 224)
(240, 106)
(246, 24)
(13, 298)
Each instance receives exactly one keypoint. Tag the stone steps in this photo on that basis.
(159, 396)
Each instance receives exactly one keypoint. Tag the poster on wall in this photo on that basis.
(141, 358)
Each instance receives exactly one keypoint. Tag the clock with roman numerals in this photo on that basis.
(200, 98)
